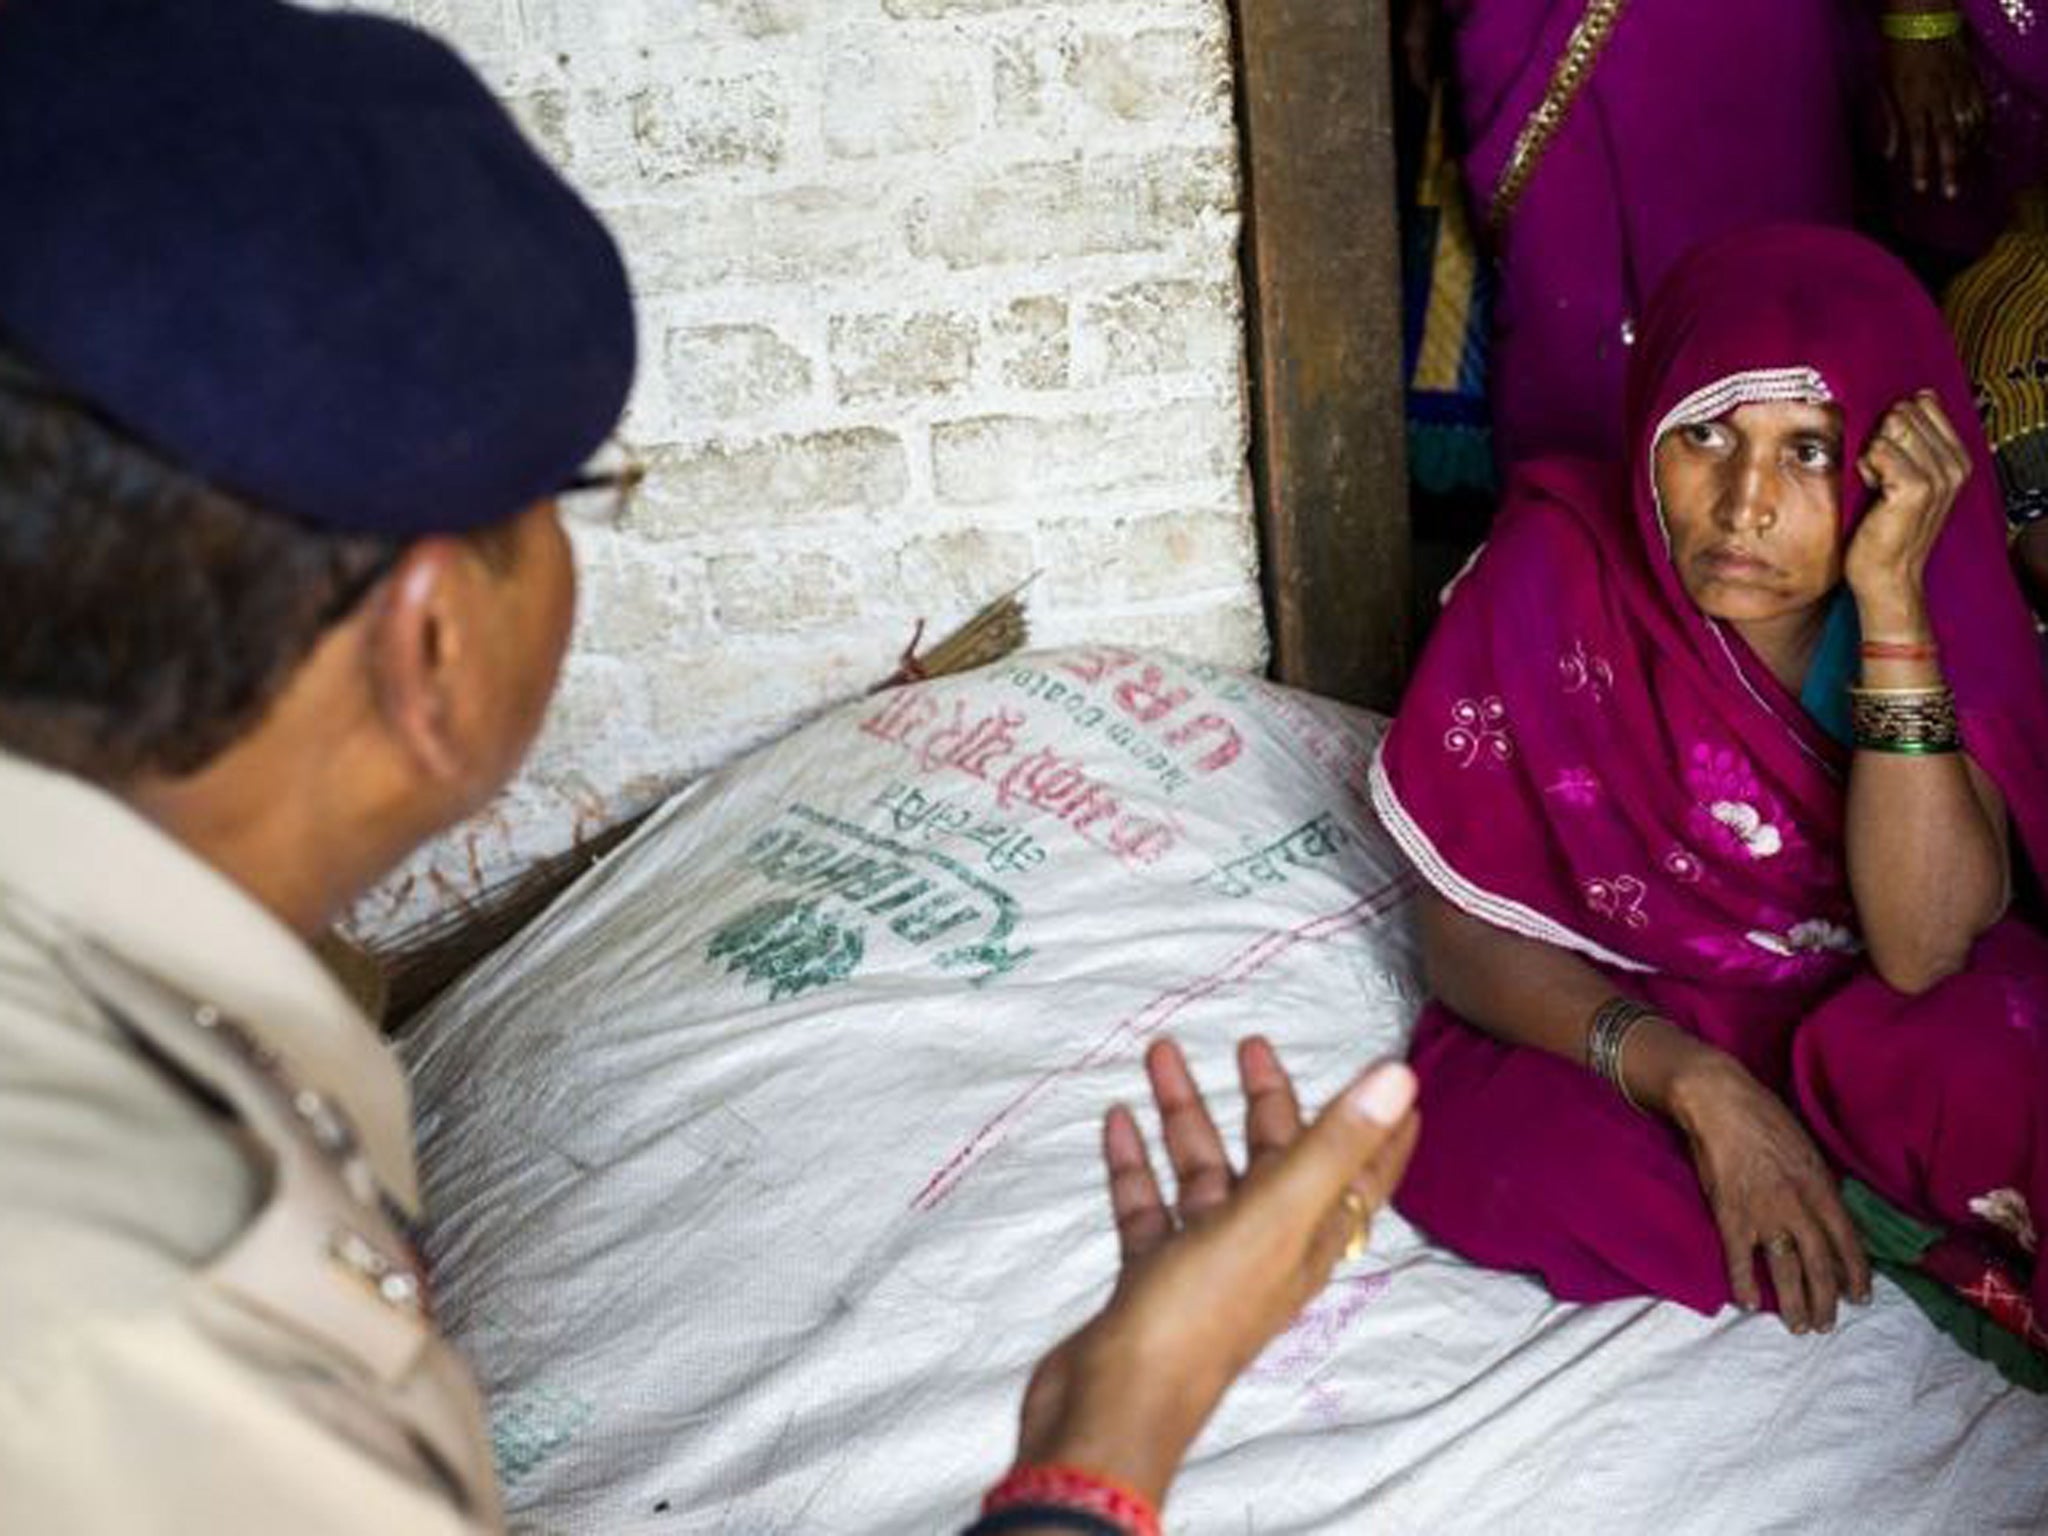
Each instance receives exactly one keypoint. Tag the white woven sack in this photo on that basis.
(764, 1164)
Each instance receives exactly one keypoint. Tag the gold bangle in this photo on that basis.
(1921, 26)
(1918, 721)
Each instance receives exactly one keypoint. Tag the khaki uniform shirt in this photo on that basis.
(209, 1317)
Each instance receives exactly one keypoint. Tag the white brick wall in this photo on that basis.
(933, 293)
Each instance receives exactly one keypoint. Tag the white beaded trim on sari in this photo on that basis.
(1717, 399)
(1499, 911)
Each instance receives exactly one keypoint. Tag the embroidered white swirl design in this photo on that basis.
(1619, 899)
(1584, 672)
(1479, 728)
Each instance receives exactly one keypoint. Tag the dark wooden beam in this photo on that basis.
(1322, 269)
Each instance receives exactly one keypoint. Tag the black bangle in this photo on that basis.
(1063, 1517)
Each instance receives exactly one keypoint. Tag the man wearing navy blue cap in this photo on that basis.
(298, 341)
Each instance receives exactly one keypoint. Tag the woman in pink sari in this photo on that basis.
(1699, 943)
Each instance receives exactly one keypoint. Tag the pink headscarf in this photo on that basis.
(1585, 758)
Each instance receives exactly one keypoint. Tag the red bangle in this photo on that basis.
(1074, 1488)
(1900, 650)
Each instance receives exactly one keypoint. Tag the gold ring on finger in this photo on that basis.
(1361, 1222)
(1784, 1245)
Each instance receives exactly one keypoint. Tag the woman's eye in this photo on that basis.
(1814, 456)
(1703, 434)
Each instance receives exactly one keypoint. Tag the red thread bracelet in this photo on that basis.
(1900, 650)
(1074, 1488)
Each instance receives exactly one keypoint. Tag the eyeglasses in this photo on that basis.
(601, 492)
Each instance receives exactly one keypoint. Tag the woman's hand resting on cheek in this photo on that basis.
(1917, 464)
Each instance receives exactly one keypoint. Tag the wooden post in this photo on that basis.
(1323, 312)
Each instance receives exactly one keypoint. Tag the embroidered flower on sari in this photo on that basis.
(2006, 1209)
(1576, 787)
(1619, 899)
(1479, 728)
(1759, 838)
(1731, 809)
(1807, 948)
(1817, 935)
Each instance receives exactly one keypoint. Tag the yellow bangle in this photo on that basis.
(1921, 26)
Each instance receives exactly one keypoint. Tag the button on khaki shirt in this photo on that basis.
(210, 1320)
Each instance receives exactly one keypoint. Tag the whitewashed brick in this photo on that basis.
(598, 698)
(1017, 458)
(926, 10)
(771, 18)
(684, 689)
(627, 602)
(1029, 347)
(1225, 634)
(731, 370)
(610, 31)
(1166, 73)
(950, 575)
(883, 100)
(882, 357)
(792, 235)
(482, 28)
(734, 487)
(1182, 187)
(1072, 208)
(709, 125)
(1092, 562)
(1164, 327)
(757, 594)
(1031, 72)
(544, 116)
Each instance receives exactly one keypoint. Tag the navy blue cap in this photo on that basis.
(306, 255)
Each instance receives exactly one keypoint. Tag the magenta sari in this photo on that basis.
(1585, 759)
(1696, 120)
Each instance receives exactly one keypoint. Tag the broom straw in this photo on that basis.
(997, 629)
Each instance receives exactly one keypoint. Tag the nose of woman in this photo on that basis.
(1749, 500)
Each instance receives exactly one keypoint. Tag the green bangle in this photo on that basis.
(1921, 26)
(1907, 748)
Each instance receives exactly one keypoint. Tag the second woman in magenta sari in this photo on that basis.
(1691, 120)
(1641, 803)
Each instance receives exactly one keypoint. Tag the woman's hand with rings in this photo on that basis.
(1769, 1190)
(1209, 1279)
(1917, 464)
